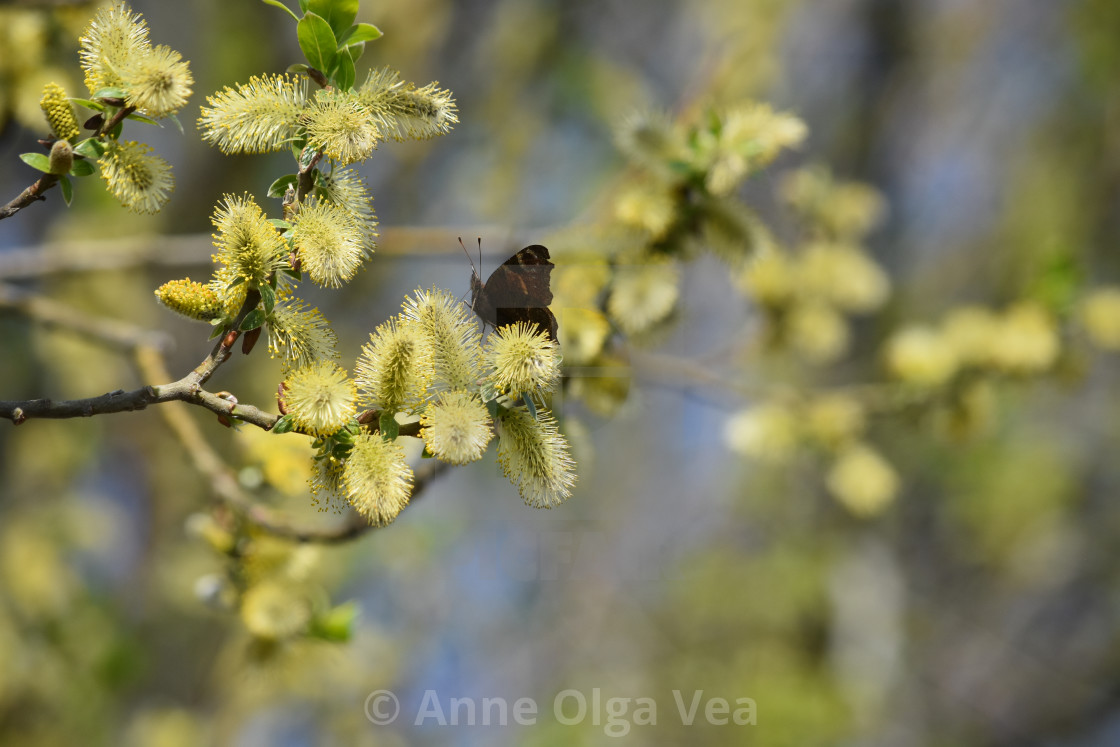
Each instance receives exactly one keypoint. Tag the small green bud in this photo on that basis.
(62, 157)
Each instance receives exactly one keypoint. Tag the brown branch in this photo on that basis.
(128, 337)
(307, 173)
(29, 195)
(186, 389)
(224, 483)
(35, 192)
(147, 347)
(352, 526)
(116, 119)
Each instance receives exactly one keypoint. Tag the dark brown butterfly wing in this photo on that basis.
(518, 291)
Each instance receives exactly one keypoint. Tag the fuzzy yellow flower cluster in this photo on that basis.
(836, 209)
(748, 138)
(190, 299)
(377, 480)
(331, 241)
(688, 174)
(1022, 340)
(60, 115)
(429, 365)
(859, 477)
(807, 296)
(773, 430)
(456, 427)
(280, 598)
(253, 255)
(140, 180)
(300, 335)
(807, 293)
(268, 112)
(524, 360)
(121, 66)
(321, 398)
(117, 54)
(1099, 315)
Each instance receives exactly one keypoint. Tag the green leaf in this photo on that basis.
(280, 186)
(530, 406)
(339, 13)
(268, 295)
(344, 73)
(90, 148)
(293, 273)
(279, 223)
(82, 168)
(337, 624)
(1058, 281)
(67, 189)
(317, 41)
(235, 282)
(307, 157)
(97, 106)
(494, 408)
(37, 161)
(254, 319)
(355, 51)
(303, 5)
(358, 34)
(218, 331)
(389, 427)
(283, 425)
(178, 125)
(110, 93)
(115, 133)
(340, 450)
(285, 8)
(299, 67)
(425, 454)
(142, 118)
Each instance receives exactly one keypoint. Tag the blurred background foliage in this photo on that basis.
(933, 565)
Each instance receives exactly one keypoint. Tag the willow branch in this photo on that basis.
(352, 526)
(224, 483)
(129, 338)
(29, 195)
(120, 116)
(146, 347)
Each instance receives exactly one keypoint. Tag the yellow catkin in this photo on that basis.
(59, 113)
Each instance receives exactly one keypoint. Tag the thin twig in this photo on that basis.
(29, 195)
(187, 389)
(147, 350)
(116, 119)
(222, 480)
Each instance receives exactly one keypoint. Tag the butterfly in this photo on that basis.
(517, 291)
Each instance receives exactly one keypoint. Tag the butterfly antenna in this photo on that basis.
(469, 258)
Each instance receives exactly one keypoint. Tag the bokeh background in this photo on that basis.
(981, 608)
